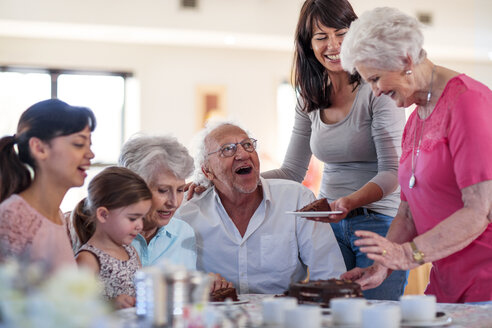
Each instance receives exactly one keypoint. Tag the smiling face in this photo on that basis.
(239, 173)
(67, 158)
(123, 224)
(326, 43)
(167, 195)
(396, 84)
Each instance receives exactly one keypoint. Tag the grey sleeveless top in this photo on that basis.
(116, 275)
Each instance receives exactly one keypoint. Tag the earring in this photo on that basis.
(408, 72)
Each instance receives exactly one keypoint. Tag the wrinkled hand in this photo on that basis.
(218, 282)
(367, 278)
(341, 204)
(193, 188)
(381, 250)
(124, 301)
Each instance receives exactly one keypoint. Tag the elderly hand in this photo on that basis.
(368, 278)
(193, 188)
(219, 282)
(124, 301)
(391, 255)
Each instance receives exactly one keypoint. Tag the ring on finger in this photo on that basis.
(384, 252)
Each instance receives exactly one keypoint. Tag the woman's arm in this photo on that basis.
(451, 235)
(462, 227)
(298, 155)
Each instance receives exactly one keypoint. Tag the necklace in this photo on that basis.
(415, 154)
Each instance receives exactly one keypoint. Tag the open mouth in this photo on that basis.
(244, 170)
(333, 57)
(164, 213)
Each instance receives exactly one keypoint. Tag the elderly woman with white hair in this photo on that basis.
(445, 172)
(164, 164)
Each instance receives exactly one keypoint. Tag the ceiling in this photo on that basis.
(460, 29)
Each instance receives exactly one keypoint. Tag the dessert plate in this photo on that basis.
(313, 214)
(443, 320)
(233, 302)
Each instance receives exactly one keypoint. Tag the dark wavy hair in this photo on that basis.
(310, 77)
(45, 120)
(114, 187)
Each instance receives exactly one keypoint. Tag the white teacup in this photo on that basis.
(381, 316)
(305, 316)
(273, 309)
(418, 307)
(347, 311)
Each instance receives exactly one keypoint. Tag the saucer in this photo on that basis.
(441, 320)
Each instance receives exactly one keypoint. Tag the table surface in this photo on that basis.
(462, 315)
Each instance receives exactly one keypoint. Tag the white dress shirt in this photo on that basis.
(276, 248)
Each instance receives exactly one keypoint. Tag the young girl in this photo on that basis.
(106, 222)
(49, 154)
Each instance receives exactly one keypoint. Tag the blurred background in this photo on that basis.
(166, 66)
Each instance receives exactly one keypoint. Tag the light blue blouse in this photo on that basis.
(174, 242)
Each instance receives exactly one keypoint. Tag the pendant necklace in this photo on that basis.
(415, 154)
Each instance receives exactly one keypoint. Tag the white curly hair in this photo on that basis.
(383, 38)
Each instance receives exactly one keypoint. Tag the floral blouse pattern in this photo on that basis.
(116, 275)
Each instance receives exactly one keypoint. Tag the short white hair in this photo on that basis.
(149, 155)
(201, 151)
(382, 38)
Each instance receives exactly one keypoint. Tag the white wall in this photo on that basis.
(171, 51)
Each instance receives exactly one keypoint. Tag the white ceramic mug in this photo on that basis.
(418, 307)
(305, 316)
(347, 311)
(273, 309)
(381, 316)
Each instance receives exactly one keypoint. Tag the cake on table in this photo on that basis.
(322, 291)
(220, 295)
(320, 205)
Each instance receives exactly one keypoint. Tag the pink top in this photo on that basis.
(25, 232)
(455, 152)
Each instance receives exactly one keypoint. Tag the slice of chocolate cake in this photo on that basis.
(322, 291)
(320, 205)
(220, 295)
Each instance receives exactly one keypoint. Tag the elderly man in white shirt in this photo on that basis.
(241, 226)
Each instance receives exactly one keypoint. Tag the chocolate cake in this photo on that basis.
(322, 291)
(320, 205)
(220, 295)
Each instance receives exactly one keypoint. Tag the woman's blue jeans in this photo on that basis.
(394, 285)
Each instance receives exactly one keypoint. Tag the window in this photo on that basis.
(103, 92)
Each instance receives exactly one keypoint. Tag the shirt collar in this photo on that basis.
(169, 229)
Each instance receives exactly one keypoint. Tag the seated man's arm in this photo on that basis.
(319, 250)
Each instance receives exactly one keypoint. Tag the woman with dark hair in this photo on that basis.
(354, 133)
(48, 155)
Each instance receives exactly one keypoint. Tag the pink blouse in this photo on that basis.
(27, 234)
(455, 152)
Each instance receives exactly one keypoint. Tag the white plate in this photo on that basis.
(313, 214)
(441, 321)
(233, 302)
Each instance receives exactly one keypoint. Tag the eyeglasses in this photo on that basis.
(230, 149)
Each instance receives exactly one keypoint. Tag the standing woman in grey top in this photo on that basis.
(356, 135)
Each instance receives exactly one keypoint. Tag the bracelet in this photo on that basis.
(418, 256)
